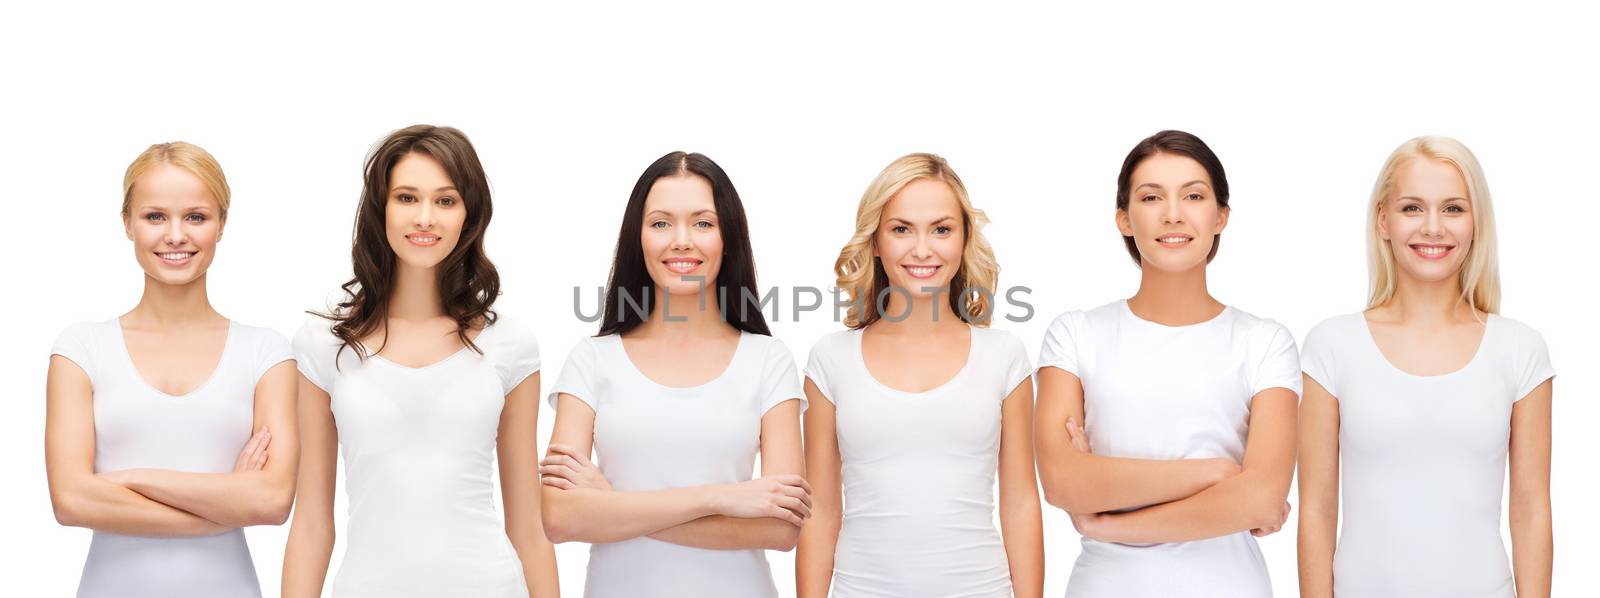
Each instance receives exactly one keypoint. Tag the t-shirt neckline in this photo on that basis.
(861, 362)
(127, 358)
(1372, 343)
(1127, 312)
(727, 370)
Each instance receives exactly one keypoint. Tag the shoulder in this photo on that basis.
(1516, 328)
(82, 332)
(995, 339)
(833, 343)
(260, 336)
(1257, 327)
(771, 347)
(1518, 335)
(508, 333)
(1333, 330)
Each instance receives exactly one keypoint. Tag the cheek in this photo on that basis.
(1461, 228)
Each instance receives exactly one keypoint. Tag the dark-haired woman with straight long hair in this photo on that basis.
(1166, 422)
(679, 392)
(422, 384)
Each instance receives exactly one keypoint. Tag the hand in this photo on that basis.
(566, 468)
(254, 455)
(1087, 524)
(1283, 518)
(784, 496)
(1079, 438)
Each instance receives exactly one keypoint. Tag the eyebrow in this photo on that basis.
(1415, 198)
(1190, 183)
(694, 213)
(410, 188)
(904, 221)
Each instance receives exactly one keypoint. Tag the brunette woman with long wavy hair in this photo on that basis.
(423, 384)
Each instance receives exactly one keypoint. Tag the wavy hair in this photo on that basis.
(1480, 274)
(861, 274)
(468, 281)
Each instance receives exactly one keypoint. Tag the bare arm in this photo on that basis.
(1319, 489)
(1080, 482)
(1020, 514)
(519, 488)
(819, 537)
(587, 513)
(1252, 500)
(1532, 544)
(305, 558)
(257, 496)
(81, 498)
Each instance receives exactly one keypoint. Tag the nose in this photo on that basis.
(1431, 226)
(1172, 212)
(175, 235)
(922, 249)
(425, 216)
(680, 239)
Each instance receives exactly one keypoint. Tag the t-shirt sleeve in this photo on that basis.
(76, 343)
(1319, 357)
(1060, 349)
(519, 357)
(1279, 364)
(779, 380)
(314, 352)
(271, 350)
(1017, 366)
(817, 370)
(578, 375)
(1533, 362)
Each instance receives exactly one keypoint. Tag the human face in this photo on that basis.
(681, 235)
(920, 238)
(424, 213)
(1427, 220)
(1172, 213)
(174, 223)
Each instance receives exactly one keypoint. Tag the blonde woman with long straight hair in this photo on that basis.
(1413, 405)
(171, 427)
(916, 407)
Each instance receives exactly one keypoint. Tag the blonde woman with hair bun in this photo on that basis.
(171, 427)
(916, 408)
(1414, 406)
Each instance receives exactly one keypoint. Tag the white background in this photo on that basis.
(802, 106)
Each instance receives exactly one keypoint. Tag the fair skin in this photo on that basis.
(920, 240)
(681, 243)
(1173, 217)
(424, 219)
(1426, 329)
(175, 340)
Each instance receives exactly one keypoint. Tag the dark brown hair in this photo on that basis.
(629, 278)
(1181, 144)
(468, 282)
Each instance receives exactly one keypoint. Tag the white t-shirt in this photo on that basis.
(651, 437)
(1423, 460)
(1152, 391)
(918, 471)
(139, 426)
(419, 454)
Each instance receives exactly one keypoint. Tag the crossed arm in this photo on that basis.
(580, 505)
(1176, 501)
(160, 502)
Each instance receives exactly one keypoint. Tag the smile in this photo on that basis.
(921, 271)
(423, 239)
(1174, 240)
(1431, 252)
(682, 265)
(175, 258)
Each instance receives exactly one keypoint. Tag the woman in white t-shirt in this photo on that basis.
(147, 412)
(1166, 421)
(426, 388)
(677, 395)
(1413, 405)
(917, 407)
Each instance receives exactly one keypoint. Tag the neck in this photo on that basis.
(690, 318)
(1428, 302)
(1174, 298)
(168, 305)
(415, 295)
(928, 313)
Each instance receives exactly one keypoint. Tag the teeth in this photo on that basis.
(1433, 250)
(1172, 239)
(681, 266)
(922, 271)
(176, 255)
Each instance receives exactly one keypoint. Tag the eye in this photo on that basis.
(1196, 196)
(1411, 209)
(195, 218)
(405, 198)
(155, 217)
(706, 224)
(447, 201)
(943, 229)
(900, 229)
(1150, 198)
(659, 224)
(1455, 209)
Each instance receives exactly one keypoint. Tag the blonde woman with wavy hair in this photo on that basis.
(916, 407)
(1414, 406)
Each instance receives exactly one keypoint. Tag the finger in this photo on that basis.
(791, 479)
(796, 505)
(559, 470)
(562, 460)
(796, 493)
(786, 515)
(260, 460)
(556, 482)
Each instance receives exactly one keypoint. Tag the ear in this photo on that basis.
(1124, 224)
(222, 225)
(127, 225)
(1383, 223)
(1222, 218)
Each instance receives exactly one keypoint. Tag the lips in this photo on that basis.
(175, 258)
(681, 265)
(423, 239)
(1174, 240)
(921, 271)
(1432, 251)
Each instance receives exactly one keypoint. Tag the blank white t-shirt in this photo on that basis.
(651, 437)
(419, 460)
(1152, 391)
(139, 426)
(918, 471)
(1423, 460)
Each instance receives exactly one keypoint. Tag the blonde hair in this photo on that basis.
(861, 276)
(1480, 274)
(190, 157)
